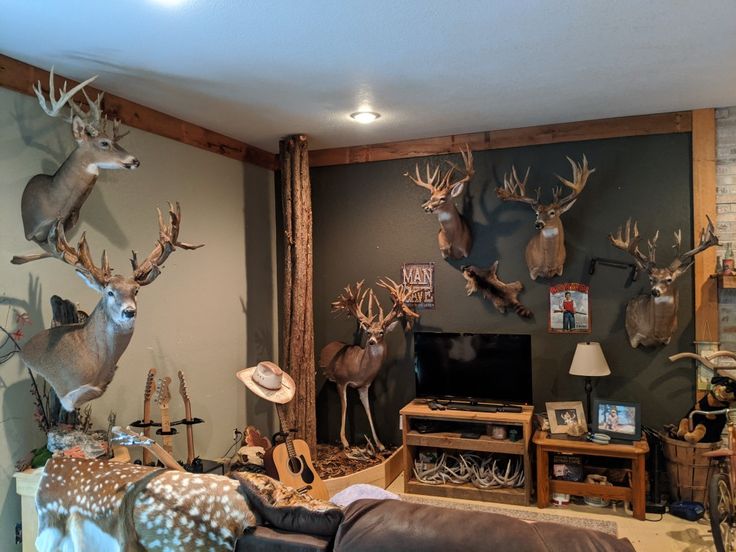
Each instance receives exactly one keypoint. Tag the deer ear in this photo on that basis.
(78, 129)
(566, 208)
(457, 189)
(89, 280)
(392, 325)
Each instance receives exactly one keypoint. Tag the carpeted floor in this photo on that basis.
(609, 527)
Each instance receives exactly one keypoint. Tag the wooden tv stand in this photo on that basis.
(452, 441)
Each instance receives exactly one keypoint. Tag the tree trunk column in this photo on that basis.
(297, 356)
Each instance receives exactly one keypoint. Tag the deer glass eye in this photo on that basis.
(104, 144)
(669, 280)
(110, 293)
(551, 213)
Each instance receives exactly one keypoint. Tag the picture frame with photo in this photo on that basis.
(620, 420)
(564, 415)
(569, 308)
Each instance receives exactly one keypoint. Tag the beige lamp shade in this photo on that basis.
(589, 360)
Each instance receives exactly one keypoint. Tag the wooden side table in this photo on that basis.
(636, 452)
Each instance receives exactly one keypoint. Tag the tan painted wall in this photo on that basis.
(191, 318)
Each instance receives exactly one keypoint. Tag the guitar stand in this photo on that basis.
(142, 424)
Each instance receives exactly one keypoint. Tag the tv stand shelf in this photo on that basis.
(451, 440)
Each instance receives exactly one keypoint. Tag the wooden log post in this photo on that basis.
(297, 356)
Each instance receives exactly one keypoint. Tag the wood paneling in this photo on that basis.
(663, 123)
(19, 76)
(704, 204)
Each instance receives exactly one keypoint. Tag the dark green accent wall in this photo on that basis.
(368, 221)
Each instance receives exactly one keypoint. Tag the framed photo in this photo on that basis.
(569, 309)
(563, 415)
(620, 420)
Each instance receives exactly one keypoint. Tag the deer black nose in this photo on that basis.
(539, 225)
(656, 292)
(129, 313)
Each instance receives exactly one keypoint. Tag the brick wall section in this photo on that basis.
(726, 216)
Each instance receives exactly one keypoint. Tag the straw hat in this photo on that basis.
(268, 381)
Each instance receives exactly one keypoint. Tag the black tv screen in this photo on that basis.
(482, 367)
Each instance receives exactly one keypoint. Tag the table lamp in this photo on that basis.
(590, 363)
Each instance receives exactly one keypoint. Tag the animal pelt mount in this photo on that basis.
(502, 295)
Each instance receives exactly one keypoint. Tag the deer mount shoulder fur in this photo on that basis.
(545, 252)
(48, 199)
(652, 319)
(79, 360)
(356, 366)
(502, 295)
(455, 238)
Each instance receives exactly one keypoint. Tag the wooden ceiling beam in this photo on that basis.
(662, 123)
(20, 77)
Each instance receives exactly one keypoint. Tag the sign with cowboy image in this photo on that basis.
(568, 309)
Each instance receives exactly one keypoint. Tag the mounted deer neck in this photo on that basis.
(455, 238)
(79, 360)
(48, 199)
(355, 366)
(545, 252)
(652, 319)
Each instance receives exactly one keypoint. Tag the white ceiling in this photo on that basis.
(258, 70)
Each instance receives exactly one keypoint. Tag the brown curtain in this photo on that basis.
(297, 356)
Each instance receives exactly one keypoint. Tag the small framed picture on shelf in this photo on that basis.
(565, 415)
(620, 420)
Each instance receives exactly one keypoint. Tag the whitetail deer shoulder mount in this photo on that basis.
(356, 366)
(455, 238)
(48, 199)
(79, 360)
(502, 295)
(545, 252)
(652, 319)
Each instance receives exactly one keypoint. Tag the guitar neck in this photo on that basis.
(190, 432)
(289, 440)
(147, 456)
(165, 429)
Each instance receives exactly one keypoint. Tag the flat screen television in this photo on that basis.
(493, 368)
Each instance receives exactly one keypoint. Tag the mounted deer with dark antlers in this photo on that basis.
(355, 366)
(48, 199)
(79, 360)
(455, 238)
(652, 319)
(545, 252)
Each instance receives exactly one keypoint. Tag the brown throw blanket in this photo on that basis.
(88, 505)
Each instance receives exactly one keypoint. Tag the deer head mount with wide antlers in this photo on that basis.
(79, 360)
(652, 319)
(545, 252)
(455, 238)
(48, 199)
(356, 366)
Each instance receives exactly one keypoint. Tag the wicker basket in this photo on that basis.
(687, 469)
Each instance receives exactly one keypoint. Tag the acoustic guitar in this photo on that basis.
(293, 466)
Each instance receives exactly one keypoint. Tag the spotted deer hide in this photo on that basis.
(93, 506)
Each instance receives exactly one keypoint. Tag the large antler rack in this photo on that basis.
(707, 239)
(580, 174)
(351, 301)
(436, 181)
(80, 257)
(628, 242)
(400, 294)
(514, 189)
(147, 271)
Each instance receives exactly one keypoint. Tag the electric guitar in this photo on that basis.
(163, 398)
(293, 465)
(184, 392)
(147, 394)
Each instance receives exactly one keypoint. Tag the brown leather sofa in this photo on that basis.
(392, 525)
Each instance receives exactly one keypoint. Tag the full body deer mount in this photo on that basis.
(652, 319)
(455, 238)
(545, 252)
(356, 366)
(503, 296)
(48, 199)
(79, 360)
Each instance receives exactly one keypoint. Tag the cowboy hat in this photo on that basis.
(268, 381)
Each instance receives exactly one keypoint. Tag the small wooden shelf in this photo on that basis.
(451, 441)
(725, 281)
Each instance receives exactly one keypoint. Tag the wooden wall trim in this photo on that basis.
(20, 77)
(704, 203)
(662, 123)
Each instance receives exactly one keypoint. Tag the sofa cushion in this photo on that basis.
(268, 539)
(284, 508)
(392, 525)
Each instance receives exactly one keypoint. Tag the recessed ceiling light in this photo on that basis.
(365, 117)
